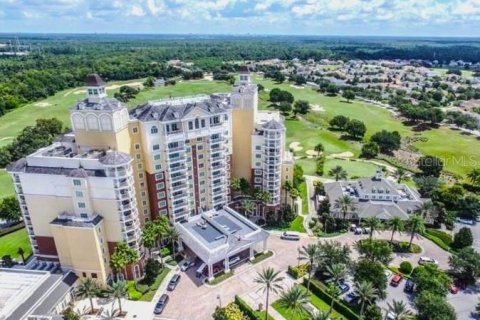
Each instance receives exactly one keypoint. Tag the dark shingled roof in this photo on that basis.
(166, 111)
(78, 173)
(21, 166)
(94, 80)
(244, 69)
(115, 158)
(273, 125)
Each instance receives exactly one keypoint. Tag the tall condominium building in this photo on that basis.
(260, 134)
(77, 195)
(96, 186)
(186, 144)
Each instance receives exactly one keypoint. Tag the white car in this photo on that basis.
(187, 265)
(388, 274)
(424, 260)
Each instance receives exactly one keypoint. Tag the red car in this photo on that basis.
(454, 289)
(396, 279)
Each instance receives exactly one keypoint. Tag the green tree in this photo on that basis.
(149, 236)
(309, 253)
(375, 250)
(339, 122)
(373, 272)
(10, 209)
(415, 225)
(430, 278)
(400, 173)
(301, 107)
(21, 252)
(345, 204)
(294, 300)
(334, 292)
(374, 224)
(465, 265)
(399, 310)
(370, 150)
(348, 95)
(387, 141)
(149, 82)
(331, 253)
(395, 224)
(248, 207)
(366, 293)
(338, 173)
(463, 238)
(173, 235)
(318, 149)
(474, 176)
(430, 165)
(270, 281)
(287, 187)
(337, 272)
(469, 207)
(88, 288)
(235, 184)
(429, 304)
(356, 129)
(118, 290)
(121, 257)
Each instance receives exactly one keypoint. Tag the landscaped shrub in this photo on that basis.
(442, 235)
(463, 238)
(298, 271)
(248, 310)
(133, 294)
(316, 288)
(230, 312)
(165, 251)
(406, 267)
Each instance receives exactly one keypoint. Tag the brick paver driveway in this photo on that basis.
(192, 301)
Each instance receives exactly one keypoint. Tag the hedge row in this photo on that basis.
(445, 237)
(317, 288)
(298, 271)
(437, 241)
(8, 230)
(247, 310)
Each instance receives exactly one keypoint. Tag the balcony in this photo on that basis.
(178, 178)
(179, 187)
(179, 168)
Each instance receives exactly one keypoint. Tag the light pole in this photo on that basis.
(219, 300)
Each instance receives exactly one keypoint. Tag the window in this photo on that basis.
(137, 146)
(84, 274)
(200, 156)
(258, 180)
(200, 165)
(134, 129)
(190, 125)
(200, 147)
(160, 185)
(94, 275)
(159, 176)
(162, 204)
(258, 155)
(199, 139)
(154, 130)
(84, 215)
(203, 123)
(197, 124)
(158, 167)
(139, 166)
(144, 193)
(156, 147)
(156, 157)
(77, 182)
(138, 156)
(226, 117)
(140, 175)
(161, 195)
(81, 205)
(258, 147)
(79, 194)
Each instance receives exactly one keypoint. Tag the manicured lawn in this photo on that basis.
(262, 256)
(10, 243)
(353, 168)
(297, 224)
(316, 301)
(459, 152)
(6, 185)
(156, 284)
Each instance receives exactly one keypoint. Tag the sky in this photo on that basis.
(287, 17)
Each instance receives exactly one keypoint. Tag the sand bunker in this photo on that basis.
(297, 87)
(316, 107)
(312, 153)
(346, 154)
(295, 146)
(42, 104)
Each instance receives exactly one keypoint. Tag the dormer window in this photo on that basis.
(154, 130)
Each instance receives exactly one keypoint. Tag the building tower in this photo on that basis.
(244, 102)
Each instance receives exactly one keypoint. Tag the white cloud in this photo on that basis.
(156, 6)
(136, 11)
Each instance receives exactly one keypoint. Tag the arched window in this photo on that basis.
(154, 130)
(92, 122)
(106, 122)
(78, 122)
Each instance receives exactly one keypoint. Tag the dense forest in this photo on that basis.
(57, 62)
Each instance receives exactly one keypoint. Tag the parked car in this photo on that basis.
(353, 227)
(409, 286)
(391, 316)
(388, 274)
(454, 289)
(187, 265)
(350, 298)
(290, 235)
(367, 230)
(233, 261)
(358, 230)
(344, 287)
(173, 282)
(396, 279)
(160, 305)
(466, 221)
(424, 260)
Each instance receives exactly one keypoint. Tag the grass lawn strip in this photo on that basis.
(10, 243)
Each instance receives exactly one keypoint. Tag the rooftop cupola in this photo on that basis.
(379, 174)
(244, 75)
(95, 88)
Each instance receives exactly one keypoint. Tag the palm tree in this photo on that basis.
(415, 224)
(161, 226)
(173, 235)
(119, 290)
(318, 149)
(399, 310)
(21, 252)
(309, 253)
(337, 271)
(395, 224)
(338, 172)
(400, 173)
(248, 206)
(425, 209)
(345, 204)
(321, 315)
(88, 288)
(149, 236)
(287, 187)
(474, 176)
(366, 293)
(334, 292)
(294, 300)
(235, 184)
(374, 224)
(270, 281)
